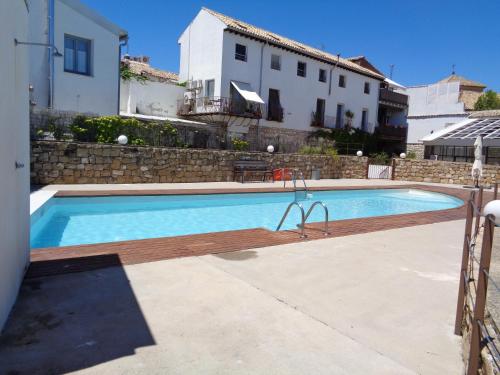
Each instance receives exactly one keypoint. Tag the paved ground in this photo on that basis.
(376, 303)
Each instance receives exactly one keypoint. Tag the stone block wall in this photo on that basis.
(79, 163)
(444, 172)
(417, 148)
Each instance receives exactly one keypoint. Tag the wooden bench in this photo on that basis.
(245, 167)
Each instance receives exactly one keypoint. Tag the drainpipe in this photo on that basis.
(331, 71)
(260, 85)
(50, 21)
(123, 42)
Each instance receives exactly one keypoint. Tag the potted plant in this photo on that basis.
(349, 115)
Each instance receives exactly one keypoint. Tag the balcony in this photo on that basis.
(391, 133)
(203, 106)
(275, 113)
(393, 98)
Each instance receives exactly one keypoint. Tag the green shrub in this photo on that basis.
(411, 155)
(56, 130)
(380, 158)
(239, 144)
(320, 150)
(106, 129)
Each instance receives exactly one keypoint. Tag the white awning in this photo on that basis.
(392, 83)
(246, 92)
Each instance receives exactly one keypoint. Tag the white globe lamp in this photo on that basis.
(359, 153)
(493, 208)
(122, 139)
(402, 155)
(270, 149)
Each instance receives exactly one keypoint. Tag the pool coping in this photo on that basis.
(79, 258)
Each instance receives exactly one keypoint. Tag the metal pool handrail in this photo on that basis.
(302, 234)
(326, 215)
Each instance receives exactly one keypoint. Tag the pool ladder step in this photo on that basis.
(305, 216)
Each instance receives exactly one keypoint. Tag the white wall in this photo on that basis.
(420, 127)
(150, 98)
(201, 50)
(437, 99)
(39, 64)
(97, 93)
(14, 146)
(207, 52)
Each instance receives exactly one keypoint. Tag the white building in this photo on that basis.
(437, 106)
(149, 91)
(79, 71)
(14, 152)
(243, 72)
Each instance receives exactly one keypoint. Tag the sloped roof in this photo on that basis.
(463, 81)
(363, 61)
(96, 17)
(275, 39)
(150, 72)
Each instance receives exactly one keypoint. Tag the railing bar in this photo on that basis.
(489, 340)
(491, 280)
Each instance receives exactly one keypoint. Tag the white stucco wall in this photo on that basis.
(97, 93)
(201, 50)
(420, 127)
(437, 99)
(14, 146)
(150, 98)
(207, 52)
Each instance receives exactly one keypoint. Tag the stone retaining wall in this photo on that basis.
(444, 172)
(417, 148)
(78, 163)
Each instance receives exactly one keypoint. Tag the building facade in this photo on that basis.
(437, 106)
(14, 152)
(75, 67)
(149, 91)
(247, 76)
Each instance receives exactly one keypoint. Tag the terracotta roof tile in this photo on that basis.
(256, 32)
(150, 72)
(463, 81)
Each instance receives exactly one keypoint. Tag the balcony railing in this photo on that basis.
(321, 121)
(392, 132)
(219, 106)
(275, 114)
(390, 96)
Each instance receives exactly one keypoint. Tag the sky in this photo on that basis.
(423, 39)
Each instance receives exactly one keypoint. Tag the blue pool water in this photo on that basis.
(75, 221)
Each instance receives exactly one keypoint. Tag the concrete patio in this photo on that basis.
(375, 303)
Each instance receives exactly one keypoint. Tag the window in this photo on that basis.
(274, 109)
(364, 120)
(301, 69)
(367, 87)
(276, 62)
(240, 52)
(209, 88)
(341, 80)
(77, 55)
(319, 115)
(322, 75)
(339, 120)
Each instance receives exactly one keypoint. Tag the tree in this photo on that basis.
(488, 100)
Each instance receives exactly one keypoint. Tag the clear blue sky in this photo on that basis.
(422, 38)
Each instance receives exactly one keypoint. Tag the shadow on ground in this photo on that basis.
(94, 318)
(238, 255)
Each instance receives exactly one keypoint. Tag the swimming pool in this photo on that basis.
(90, 220)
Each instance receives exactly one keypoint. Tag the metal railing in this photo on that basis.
(219, 105)
(387, 95)
(302, 221)
(474, 280)
(326, 232)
